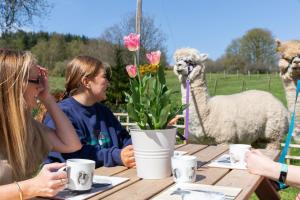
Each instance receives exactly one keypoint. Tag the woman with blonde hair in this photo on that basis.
(104, 139)
(24, 142)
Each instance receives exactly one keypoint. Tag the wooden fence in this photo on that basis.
(124, 119)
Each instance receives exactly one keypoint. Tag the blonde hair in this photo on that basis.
(79, 67)
(21, 141)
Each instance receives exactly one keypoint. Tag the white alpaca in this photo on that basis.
(239, 118)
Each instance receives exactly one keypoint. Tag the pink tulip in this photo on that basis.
(132, 41)
(131, 70)
(154, 57)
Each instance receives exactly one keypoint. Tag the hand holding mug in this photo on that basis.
(49, 181)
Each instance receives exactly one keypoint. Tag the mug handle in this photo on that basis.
(65, 168)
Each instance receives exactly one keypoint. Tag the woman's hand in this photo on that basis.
(173, 121)
(44, 94)
(127, 156)
(257, 163)
(49, 181)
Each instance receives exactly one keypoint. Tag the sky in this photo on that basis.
(207, 25)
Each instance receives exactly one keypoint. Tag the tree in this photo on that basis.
(118, 82)
(233, 59)
(258, 49)
(152, 38)
(17, 13)
(255, 51)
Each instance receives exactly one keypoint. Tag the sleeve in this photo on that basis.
(104, 157)
(124, 137)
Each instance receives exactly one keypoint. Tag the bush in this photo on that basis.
(59, 68)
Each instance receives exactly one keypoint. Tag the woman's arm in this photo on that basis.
(257, 163)
(46, 184)
(63, 138)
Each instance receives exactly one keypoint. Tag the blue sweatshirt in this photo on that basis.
(99, 130)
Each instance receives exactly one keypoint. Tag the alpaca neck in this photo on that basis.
(290, 88)
(200, 96)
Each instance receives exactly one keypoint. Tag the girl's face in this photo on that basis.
(98, 86)
(34, 87)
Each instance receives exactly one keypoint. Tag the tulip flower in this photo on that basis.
(154, 57)
(131, 70)
(132, 41)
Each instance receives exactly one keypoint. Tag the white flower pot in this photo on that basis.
(153, 150)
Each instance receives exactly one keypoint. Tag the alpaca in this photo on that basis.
(245, 117)
(289, 65)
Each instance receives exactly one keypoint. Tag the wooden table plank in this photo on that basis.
(179, 145)
(191, 148)
(236, 178)
(143, 189)
(109, 171)
(130, 173)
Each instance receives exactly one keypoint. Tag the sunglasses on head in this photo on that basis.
(35, 81)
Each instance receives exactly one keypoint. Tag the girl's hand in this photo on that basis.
(127, 156)
(50, 181)
(257, 163)
(44, 93)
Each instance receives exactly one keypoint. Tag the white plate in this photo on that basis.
(224, 162)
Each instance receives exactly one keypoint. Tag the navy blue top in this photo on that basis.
(99, 130)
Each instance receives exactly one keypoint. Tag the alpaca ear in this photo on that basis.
(203, 56)
(278, 44)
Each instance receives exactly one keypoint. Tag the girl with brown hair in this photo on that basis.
(104, 139)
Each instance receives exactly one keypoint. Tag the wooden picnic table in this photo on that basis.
(136, 188)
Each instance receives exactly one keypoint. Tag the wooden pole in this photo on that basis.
(138, 20)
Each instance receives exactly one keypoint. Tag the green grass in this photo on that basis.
(228, 84)
(231, 84)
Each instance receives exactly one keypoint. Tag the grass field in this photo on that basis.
(218, 84)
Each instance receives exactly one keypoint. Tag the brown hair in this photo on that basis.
(21, 141)
(79, 67)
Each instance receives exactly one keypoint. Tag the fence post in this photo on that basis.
(243, 85)
(224, 74)
(215, 86)
(249, 75)
(269, 83)
(237, 74)
(127, 121)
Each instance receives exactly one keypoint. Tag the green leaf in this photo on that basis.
(163, 118)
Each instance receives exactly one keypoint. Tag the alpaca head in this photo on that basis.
(189, 63)
(289, 62)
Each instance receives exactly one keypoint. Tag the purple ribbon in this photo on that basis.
(187, 98)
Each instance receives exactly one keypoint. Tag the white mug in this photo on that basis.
(184, 168)
(80, 174)
(237, 153)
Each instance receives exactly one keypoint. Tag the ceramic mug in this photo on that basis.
(237, 153)
(80, 174)
(184, 168)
